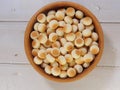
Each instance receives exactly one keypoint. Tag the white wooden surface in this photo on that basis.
(17, 74)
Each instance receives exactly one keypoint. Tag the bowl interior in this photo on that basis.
(54, 6)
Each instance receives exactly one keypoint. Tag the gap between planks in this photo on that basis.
(27, 64)
(28, 21)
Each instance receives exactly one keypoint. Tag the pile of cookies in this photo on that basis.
(64, 42)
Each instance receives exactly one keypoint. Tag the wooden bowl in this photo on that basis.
(56, 5)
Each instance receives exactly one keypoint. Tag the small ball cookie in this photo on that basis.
(75, 21)
(53, 24)
(61, 23)
(63, 50)
(42, 47)
(55, 52)
(78, 68)
(49, 30)
(34, 35)
(85, 65)
(50, 58)
(62, 9)
(78, 34)
(79, 42)
(68, 19)
(60, 31)
(79, 60)
(42, 27)
(88, 58)
(51, 12)
(35, 52)
(48, 44)
(79, 14)
(64, 67)
(63, 74)
(50, 17)
(67, 28)
(74, 28)
(88, 41)
(94, 43)
(91, 27)
(60, 15)
(48, 50)
(41, 18)
(63, 41)
(71, 72)
(75, 53)
(68, 46)
(81, 27)
(46, 61)
(55, 71)
(86, 21)
(94, 49)
(53, 37)
(48, 69)
(83, 51)
(62, 60)
(56, 44)
(54, 64)
(94, 36)
(43, 65)
(68, 58)
(36, 26)
(42, 38)
(35, 43)
(37, 60)
(86, 32)
(42, 54)
(71, 64)
(70, 11)
(70, 37)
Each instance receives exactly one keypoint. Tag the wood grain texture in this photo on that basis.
(22, 10)
(11, 39)
(12, 43)
(22, 77)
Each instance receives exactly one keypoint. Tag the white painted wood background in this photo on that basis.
(17, 74)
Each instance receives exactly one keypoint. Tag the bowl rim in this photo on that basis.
(59, 4)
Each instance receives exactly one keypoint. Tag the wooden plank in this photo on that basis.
(22, 10)
(112, 44)
(22, 77)
(12, 44)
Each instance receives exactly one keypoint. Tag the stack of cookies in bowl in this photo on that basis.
(64, 42)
